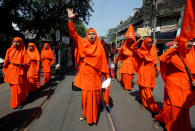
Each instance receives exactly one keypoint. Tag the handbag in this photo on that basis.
(188, 72)
(75, 88)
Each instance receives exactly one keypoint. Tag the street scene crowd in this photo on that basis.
(98, 63)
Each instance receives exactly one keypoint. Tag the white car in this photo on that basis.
(1, 67)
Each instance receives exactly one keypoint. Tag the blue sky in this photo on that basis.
(108, 13)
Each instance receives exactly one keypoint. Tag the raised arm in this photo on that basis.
(166, 57)
(73, 33)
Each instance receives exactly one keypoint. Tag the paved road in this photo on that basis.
(62, 112)
(62, 108)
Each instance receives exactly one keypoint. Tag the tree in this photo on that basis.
(44, 16)
(111, 35)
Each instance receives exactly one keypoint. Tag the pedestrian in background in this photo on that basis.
(112, 67)
(63, 58)
(57, 57)
(15, 61)
(47, 59)
(33, 74)
(147, 72)
(90, 56)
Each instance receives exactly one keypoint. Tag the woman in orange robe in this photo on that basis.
(147, 73)
(126, 54)
(33, 74)
(14, 74)
(127, 69)
(178, 97)
(93, 65)
(47, 59)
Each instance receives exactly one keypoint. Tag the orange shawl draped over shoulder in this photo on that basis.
(35, 61)
(127, 58)
(92, 59)
(15, 57)
(174, 74)
(47, 58)
(147, 64)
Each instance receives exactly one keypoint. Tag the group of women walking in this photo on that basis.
(22, 69)
(138, 57)
(177, 67)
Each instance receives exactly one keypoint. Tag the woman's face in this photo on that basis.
(149, 44)
(91, 37)
(16, 43)
(46, 46)
(30, 47)
(189, 44)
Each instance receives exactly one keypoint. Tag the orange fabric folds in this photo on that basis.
(148, 65)
(188, 27)
(15, 57)
(33, 73)
(178, 96)
(47, 58)
(92, 54)
(127, 58)
(34, 63)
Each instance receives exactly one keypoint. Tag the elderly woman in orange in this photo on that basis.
(47, 59)
(14, 74)
(93, 66)
(126, 54)
(33, 74)
(179, 94)
(147, 72)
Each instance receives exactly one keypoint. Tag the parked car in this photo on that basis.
(1, 67)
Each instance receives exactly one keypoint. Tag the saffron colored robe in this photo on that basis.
(93, 65)
(47, 59)
(147, 64)
(14, 72)
(127, 68)
(178, 97)
(33, 73)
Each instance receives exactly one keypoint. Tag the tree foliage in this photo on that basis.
(110, 35)
(43, 16)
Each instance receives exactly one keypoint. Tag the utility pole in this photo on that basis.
(155, 20)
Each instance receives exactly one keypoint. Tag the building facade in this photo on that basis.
(163, 17)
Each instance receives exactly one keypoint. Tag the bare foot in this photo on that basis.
(155, 124)
(82, 117)
(142, 107)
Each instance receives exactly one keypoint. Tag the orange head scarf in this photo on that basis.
(17, 53)
(92, 53)
(34, 54)
(47, 53)
(188, 56)
(150, 53)
(130, 33)
(176, 61)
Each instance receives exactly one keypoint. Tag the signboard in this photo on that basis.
(57, 35)
(144, 31)
(65, 39)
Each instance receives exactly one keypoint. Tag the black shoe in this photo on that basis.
(20, 107)
(90, 124)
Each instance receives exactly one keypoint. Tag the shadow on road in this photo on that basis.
(136, 95)
(18, 119)
(45, 90)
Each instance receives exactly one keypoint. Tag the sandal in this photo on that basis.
(82, 117)
(155, 124)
